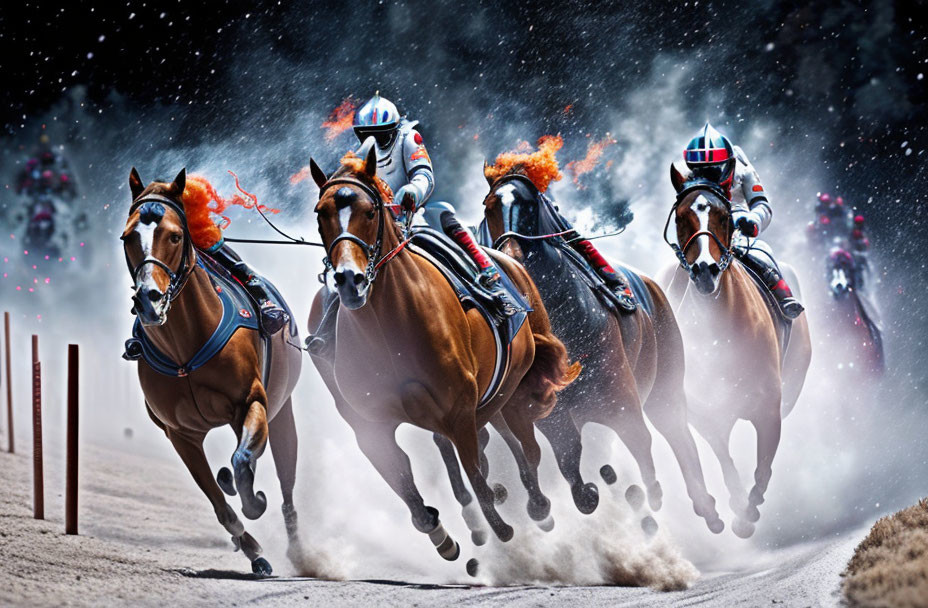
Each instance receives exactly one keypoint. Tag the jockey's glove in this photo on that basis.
(408, 197)
(747, 223)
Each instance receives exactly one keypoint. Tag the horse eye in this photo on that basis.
(370, 214)
(175, 238)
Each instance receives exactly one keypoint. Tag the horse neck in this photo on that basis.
(192, 319)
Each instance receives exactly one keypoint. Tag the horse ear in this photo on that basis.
(318, 174)
(676, 178)
(179, 183)
(487, 173)
(135, 184)
(368, 152)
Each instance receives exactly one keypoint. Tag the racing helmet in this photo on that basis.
(711, 156)
(825, 198)
(378, 118)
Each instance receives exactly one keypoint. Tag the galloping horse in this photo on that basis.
(169, 276)
(407, 352)
(743, 360)
(631, 361)
(853, 317)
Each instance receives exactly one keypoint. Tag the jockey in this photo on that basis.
(273, 318)
(404, 164)
(712, 157)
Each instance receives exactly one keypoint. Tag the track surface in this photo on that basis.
(135, 548)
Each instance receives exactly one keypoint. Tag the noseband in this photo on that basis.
(728, 253)
(371, 251)
(177, 278)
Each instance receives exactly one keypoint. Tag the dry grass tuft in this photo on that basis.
(890, 567)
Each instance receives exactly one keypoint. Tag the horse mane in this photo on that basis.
(540, 166)
(353, 164)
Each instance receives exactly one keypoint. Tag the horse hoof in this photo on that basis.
(742, 529)
(261, 567)
(715, 525)
(226, 481)
(547, 524)
(539, 510)
(255, 509)
(472, 566)
(634, 496)
(655, 496)
(608, 474)
(500, 493)
(504, 532)
(751, 514)
(452, 553)
(649, 525)
(586, 497)
(478, 537)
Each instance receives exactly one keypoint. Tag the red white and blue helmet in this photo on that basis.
(377, 118)
(711, 156)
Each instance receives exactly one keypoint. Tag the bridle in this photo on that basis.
(728, 253)
(374, 259)
(179, 277)
(512, 234)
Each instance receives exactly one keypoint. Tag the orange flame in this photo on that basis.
(201, 199)
(300, 175)
(340, 119)
(540, 165)
(594, 153)
(355, 164)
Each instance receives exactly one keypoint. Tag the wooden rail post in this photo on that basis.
(70, 501)
(9, 387)
(38, 482)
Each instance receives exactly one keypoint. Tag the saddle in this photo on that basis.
(461, 274)
(239, 311)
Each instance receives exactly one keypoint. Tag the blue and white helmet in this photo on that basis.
(711, 156)
(378, 118)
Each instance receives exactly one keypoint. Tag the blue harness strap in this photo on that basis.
(237, 312)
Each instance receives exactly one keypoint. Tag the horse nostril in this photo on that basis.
(714, 270)
(339, 278)
(358, 278)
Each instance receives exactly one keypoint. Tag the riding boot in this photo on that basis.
(614, 281)
(273, 318)
(321, 342)
(773, 279)
(488, 275)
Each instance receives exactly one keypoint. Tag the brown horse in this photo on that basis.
(228, 388)
(406, 351)
(743, 362)
(633, 363)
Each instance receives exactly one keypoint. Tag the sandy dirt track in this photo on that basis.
(138, 547)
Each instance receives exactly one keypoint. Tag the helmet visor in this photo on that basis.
(383, 136)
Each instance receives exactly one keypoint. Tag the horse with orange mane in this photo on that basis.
(203, 361)
(633, 359)
(406, 351)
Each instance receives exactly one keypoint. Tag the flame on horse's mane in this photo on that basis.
(353, 163)
(540, 165)
(202, 199)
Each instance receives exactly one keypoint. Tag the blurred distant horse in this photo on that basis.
(853, 317)
(744, 361)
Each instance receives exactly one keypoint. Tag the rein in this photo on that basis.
(178, 278)
(728, 253)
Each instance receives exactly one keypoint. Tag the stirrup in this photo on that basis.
(273, 318)
(790, 307)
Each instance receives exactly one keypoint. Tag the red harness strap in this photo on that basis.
(594, 256)
(463, 238)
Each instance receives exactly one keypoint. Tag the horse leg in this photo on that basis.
(464, 436)
(282, 434)
(717, 434)
(562, 432)
(628, 423)
(519, 435)
(768, 438)
(500, 493)
(191, 453)
(378, 443)
(468, 508)
(252, 441)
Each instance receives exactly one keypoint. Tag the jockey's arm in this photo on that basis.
(755, 196)
(419, 170)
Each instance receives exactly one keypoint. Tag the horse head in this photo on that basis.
(511, 210)
(352, 223)
(157, 246)
(704, 232)
(840, 273)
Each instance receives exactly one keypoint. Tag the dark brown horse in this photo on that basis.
(228, 388)
(633, 363)
(740, 364)
(406, 351)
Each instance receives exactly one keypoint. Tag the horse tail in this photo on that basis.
(550, 372)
